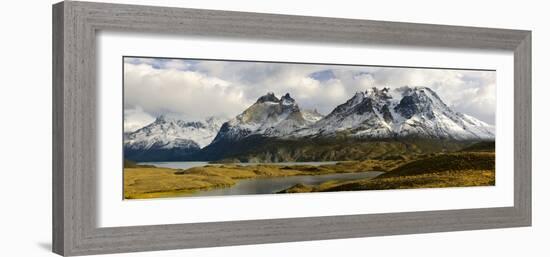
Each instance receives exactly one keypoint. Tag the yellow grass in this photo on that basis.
(151, 182)
(439, 170)
(142, 183)
(465, 178)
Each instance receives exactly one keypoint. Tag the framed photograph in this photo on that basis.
(217, 127)
(183, 128)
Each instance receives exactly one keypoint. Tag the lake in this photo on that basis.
(187, 165)
(276, 184)
(267, 185)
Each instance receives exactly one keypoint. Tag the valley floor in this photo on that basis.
(458, 169)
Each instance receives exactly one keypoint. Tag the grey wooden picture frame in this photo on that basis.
(75, 25)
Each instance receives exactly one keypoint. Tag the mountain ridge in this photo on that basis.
(170, 138)
(405, 114)
(375, 113)
(268, 116)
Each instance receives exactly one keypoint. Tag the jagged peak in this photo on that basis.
(420, 93)
(431, 93)
(161, 118)
(185, 122)
(357, 98)
(287, 96)
(269, 97)
(404, 90)
(382, 94)
(173, 131)
(287, 99)
(408, 90)
(371, 91)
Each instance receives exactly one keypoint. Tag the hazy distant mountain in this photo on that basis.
(312, 116)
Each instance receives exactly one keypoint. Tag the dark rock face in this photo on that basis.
(345, 107)
(418, 102)
(407, 107)
(226, 133)
(386, 114)
(269, 97)
(158, 152)
(275, 129)
(364, 107)
(287, 98)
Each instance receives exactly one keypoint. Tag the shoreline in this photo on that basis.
(430, 171)
(154, 182)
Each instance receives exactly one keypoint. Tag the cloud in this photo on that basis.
(136, 118)
(194, 95)
(199, 89)
(466, 91)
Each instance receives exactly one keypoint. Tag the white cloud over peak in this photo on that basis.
(197, 89)
(136, 118)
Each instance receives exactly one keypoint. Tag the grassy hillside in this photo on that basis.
(133, 164)
(457, 169)
(257, 149)
(485, 146)
(151, 182)
(440, 170)
(130, 164)
(445, 162)
(462, 178)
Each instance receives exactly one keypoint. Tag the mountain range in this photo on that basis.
(277, 129)
(406, 112)
(169, 138)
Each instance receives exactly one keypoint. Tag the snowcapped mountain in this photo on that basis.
(312, 116)
(375, 113)
(167, 138)
(269, 116)
(402, 112)
(274, 129)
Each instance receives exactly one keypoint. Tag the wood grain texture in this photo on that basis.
(75, 25)
(58, 218)
(522, 128)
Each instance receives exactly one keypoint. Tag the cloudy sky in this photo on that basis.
(196, 89)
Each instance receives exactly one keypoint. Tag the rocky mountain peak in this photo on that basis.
(170, 133)
(269, 97)
(375, 113)
(420, 100)
(400, 112)
(287, 99)
(161, 119)
(357, 98)
(269, 116)
(379, 94)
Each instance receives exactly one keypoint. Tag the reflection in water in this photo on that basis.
(187, 165)
(276, 184)
(267, 185)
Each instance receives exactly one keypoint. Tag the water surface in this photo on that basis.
(275, 184)
(267, 185)
(187, 165)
